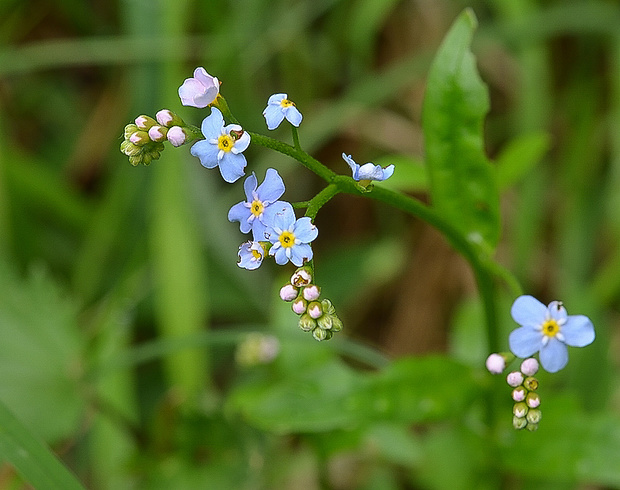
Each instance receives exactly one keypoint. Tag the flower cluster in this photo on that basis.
(316, 316)
(526, 413)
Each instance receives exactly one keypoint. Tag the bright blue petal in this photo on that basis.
(231, 167)
(557, 312)
(240, 212)
(275, 99)
(206, 152)
(212, 125)
(243, 142)
(272, 187)
(249, 186)
(525, 341)
(284, 219)
(528, 311)
(553, 356)
(247, 260)
(304, 230)
(293, 115)
(369, 171)
(578, 331)
(269, 216)
(299, 253)
(280, 256)
(387, 172)
(273, 116)
(258, 231)
(354, 166)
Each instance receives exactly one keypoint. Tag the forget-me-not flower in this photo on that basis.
(251, 255)
(368, 171)
(252, 213)
(222, 146)
(547, 330)
(200, 90)
(279, 107)
(290, 238)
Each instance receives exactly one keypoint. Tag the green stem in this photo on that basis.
(318, 201)
(295, 138)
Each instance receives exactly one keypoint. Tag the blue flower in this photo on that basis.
(368, 171)
(222, 146)
(290, 238)
(252, 213)
(251, 255)
(548, 330)
(279, 107)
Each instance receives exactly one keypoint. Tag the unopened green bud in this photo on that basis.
(328, 307)
(307, 323)
(325, 322)
(140, 138)
(519, 409)
(519, 422)
(129, 149)
(534, 415)
(532, 399)
(531, 383)
(158, 133)
(320, 334)
(129, 130)
(532, 427)
(315, 310)
(336, 323)
(145, 122)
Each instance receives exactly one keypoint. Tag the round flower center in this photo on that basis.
(225, 142)
(287, 103)
(257, 208)
(256, 254)
(550, 328)
(287, 239)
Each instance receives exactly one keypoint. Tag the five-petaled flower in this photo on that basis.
(548, 330)
(290, 238)
(251, 255)
(254, 213)
(200, 90)
(368, 171)
(222, 146)
(280, 107)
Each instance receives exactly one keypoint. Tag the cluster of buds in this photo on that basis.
(526, 414)
(144, 139)
(315, 315)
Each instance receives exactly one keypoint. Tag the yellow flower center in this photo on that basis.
(550, 328)
(287, 239)
(225, 142)
(256, 255)
(257, 208)
(287, 103)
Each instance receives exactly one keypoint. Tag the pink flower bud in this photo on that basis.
(495, 364)
(157, 133)
(200, 90)
(532, 400)
(164, 117)
(144, 122)
(519, 393)
(514, 378)
(529, 367)
(176, 136)
(299, 306)
(139, 138)
(311, 292)
(315, 310)
(288, 292)
(300, 278)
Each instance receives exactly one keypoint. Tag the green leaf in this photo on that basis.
(520, 156)
(462, 181)
(30, 457)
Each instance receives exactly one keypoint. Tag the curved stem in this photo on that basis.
(318, 201)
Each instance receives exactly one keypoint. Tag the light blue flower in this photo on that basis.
(547, 330)
(251, 255)
(222, 146)
(252, 213)
(368, 171)
(279, 107)
(290, 238)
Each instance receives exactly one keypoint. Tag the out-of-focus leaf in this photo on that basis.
(409, 174)
(40, 355)
(520, 156)
(462, 181)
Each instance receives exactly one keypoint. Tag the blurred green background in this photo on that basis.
(122, 305)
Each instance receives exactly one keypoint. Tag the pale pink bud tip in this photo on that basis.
(312, 292)
(518, 394)
(314, 310)
(299, 306)
(529, 367)
(288, 293)
(495, 364)
(176, 136)
(515, 378)
(157, 133)
(164, 117)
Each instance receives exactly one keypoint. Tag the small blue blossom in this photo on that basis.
(368, 171)
(252, 213)
(548, 330)
(290, 238)
(279, 107)
(222, 146)
(251, 255)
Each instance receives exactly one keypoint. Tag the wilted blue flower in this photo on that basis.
(290, 237)
(222, 146)
(251, 255)
(279, 107)
(368, 171)
(548, 330)
(200, 90)
(251, 213)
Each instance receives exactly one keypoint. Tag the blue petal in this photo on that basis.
(212, 125)
(578, 331)
(206, 152)
(293, 115)
(273, 116)
(272, 187)
(258, 231)
(249, 186)
(284, 219)
(269, 215)
(275, 99)
(304, 230)
(388, 171)
(231, 167)
(528, 311)
(354, 166)
(280, 256)
(299, 253)
(246, 257)
(525, 341)
(554, 355)
(557, 311)
(240, 212)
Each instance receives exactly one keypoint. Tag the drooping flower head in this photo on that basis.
(290, 238)
(251, 255)
(222, 146)
(547, 330)
(368, 171)
(200, 90)
(280, 107)
(252, 213)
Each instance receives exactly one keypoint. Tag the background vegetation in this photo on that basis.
(122, 305)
